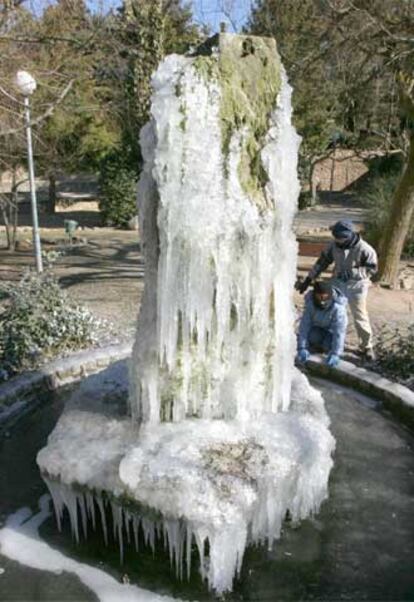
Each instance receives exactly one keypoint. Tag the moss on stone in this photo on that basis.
(248, 70)
(183, 121)
(174, 380)
(207, 67)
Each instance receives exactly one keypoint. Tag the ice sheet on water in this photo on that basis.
(20, 541)
(104, 392)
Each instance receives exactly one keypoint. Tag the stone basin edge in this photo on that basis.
(396, 399)
(19, 395)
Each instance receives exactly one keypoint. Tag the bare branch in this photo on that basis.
(16, 100)
(380, 24)
(45, 115)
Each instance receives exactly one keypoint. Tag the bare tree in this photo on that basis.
(384, 39)
(9, 209)
(402, 210)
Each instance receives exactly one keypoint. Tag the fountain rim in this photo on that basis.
(20, 395)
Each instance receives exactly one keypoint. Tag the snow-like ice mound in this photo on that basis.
(225, 482)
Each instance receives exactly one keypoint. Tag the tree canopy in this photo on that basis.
(93, 75)
(351, 63)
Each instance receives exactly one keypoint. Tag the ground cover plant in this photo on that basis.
(395, 354)
(38, 321)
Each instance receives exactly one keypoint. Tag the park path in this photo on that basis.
(333, 206)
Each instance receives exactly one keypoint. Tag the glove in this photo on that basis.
(302, 356)
(332, 360)
(302, 285)
(345, 275)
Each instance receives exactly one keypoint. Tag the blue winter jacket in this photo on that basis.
(332, 318)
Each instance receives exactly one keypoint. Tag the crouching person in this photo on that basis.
(355, 262)
(323, 324)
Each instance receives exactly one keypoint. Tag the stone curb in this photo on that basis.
(396, 398)
(18, 395)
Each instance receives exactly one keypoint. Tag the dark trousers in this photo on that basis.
(319, 339)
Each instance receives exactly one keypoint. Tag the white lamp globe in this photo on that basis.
(25, 82)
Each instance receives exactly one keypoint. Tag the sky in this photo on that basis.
(210, 12)
(213, 12)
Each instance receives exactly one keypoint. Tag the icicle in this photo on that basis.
(149, 532)
(189, 540)
(100, 502)
(90, 504)
(84, 518)
(58, 503)
(175, 536)
(135, 526)
(181, 533)
(127, 518)
(117, 516)
(70, 499)
(169, 539)
(200, 541)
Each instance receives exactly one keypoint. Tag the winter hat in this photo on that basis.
(343, 229)
(322, 288)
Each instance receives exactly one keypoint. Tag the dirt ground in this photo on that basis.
(104, 270)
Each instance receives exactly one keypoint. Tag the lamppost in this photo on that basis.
(26, 84)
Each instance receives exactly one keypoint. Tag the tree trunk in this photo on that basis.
(14, 218)
(399, 223)
(51, 201)
(333, 166)
(3, 208)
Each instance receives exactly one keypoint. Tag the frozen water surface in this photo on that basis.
(19, 540)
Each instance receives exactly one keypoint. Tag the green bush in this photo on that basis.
(395, 354)
(118, 183)
(378, 198)
(377, 193)
(38, 320)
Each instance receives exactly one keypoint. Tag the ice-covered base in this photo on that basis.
(223, 482)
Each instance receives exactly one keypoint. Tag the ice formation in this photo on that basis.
(215, 337)
(226, 435)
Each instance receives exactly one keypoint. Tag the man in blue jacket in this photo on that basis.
(323, 324)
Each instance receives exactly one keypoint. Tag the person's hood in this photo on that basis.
(343, 229)
(350, 242)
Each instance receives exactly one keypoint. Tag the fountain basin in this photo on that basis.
(218, 484)
(360, 546)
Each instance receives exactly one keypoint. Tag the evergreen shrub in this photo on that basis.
(377, 194)
(118, 183)
(395, 354)
(38, 321)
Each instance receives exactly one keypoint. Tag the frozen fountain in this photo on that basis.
(224, 435)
